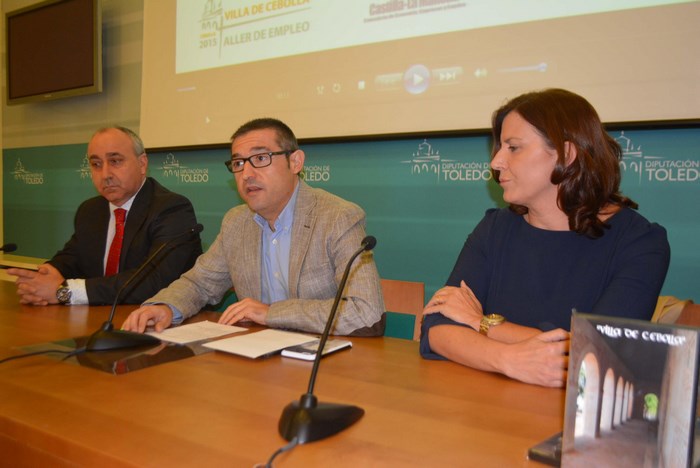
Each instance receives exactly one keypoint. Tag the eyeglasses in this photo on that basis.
(257, 160)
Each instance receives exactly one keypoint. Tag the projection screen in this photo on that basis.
(341, 69)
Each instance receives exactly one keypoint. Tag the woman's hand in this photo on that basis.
(459, 304)
(542, 359)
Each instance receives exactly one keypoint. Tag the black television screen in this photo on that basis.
(54, 50)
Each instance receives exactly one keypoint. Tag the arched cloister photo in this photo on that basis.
(628, 392)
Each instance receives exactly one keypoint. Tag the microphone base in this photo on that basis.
(107, 340)
(309, 421)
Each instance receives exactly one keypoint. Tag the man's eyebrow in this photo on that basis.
(253, 151)
(109, 155)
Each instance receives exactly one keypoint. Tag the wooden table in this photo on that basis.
(222, 410)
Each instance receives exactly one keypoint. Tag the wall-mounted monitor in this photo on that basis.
(54, 50)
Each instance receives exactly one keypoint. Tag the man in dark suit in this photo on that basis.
(116, 232)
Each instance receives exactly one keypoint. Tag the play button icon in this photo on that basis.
(416, 79)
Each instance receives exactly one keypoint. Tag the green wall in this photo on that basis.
(422, 196)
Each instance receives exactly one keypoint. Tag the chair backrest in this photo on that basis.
(405, 297)
(670, 309)
(690, 315)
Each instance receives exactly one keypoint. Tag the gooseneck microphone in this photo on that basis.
(7, 248)
(107, 338)
(307, 420)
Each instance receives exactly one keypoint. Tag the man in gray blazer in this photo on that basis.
(284, 251)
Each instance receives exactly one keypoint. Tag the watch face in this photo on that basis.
(63, 295)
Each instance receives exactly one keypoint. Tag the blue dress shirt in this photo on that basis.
(276, 245)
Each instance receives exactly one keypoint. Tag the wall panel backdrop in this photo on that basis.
(422, 196)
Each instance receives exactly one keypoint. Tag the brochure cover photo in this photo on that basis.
(631, 394)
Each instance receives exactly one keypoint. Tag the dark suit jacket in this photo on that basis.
(156, 216)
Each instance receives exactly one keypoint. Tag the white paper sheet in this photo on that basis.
(196, 332)
(260, 343)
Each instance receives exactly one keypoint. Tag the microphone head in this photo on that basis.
(369, 242)
(197, 229)
(7, 248)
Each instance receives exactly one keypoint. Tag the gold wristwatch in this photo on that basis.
(488, 321)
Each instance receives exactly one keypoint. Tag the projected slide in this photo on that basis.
(334, 68)
(221, 33)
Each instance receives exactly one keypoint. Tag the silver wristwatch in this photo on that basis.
(63, 293)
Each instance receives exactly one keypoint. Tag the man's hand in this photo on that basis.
(37, 287)
(542, 359)
(246, 309)
(158, 316)
(459, 304)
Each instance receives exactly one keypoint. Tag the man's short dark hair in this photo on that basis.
(285, 137)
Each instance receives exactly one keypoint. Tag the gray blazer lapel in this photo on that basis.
(303, 226)
(252, 258)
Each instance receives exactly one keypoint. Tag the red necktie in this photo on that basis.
(116, 247)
